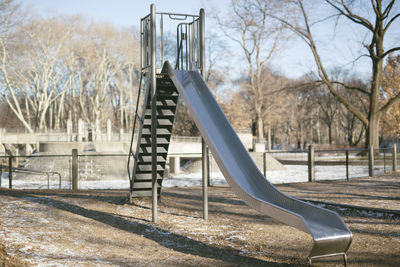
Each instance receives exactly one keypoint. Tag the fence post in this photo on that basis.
(371, 161)
(10, 162)
(265, 164)
(311, 164)
(384, 161)
(394, 157)
(347, 165)
(74, 169)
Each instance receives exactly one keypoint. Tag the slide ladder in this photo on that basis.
(139, 168)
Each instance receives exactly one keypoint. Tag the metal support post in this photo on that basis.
(384, 161)
(371, 161)
(204, 149)
(311, 164)
(209, 164)
(204, 178)
(74, 169)
(265, 164)
(394, 157)
(347, 165)
(154, 194)
(10, 163)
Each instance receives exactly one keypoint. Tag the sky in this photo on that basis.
(124, 13)
(295, 60)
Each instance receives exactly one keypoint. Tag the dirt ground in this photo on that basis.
(100, 228)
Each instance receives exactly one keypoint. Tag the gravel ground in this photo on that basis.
(99, 228)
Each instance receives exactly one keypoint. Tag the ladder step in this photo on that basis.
(148, 159)
(162, 122)
(145, 184)
(146, 140)
(160, 131)
(146, 150)
(148, 168)
(145, 176)
(161, 112)
(159, 126)
(162, 103)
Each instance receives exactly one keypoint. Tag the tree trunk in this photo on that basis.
(269, 138)
(330, 133)
(372, 133)
(260, 127)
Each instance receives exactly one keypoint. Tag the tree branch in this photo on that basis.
(352, 87)
(390, 103)
(391, 51)
(390, 22)
(350, 15)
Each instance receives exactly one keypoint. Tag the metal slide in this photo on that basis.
(331, 235)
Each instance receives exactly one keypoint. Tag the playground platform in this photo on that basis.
(99, 227)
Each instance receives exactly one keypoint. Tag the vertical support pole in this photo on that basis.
(74, 169)
(209, 164)
(371, 161)
(347, 165)
(204, 179)
(311, 164)
(162, 39)
(1, 172)
(265, 164)
(384, 161)
(10, 163)
(204, 149)
(394, 157)
(154, 194)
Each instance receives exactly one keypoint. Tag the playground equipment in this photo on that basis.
(154, 124)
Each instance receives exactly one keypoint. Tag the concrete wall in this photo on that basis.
(177, 146)
(111, 147)
(60, 147)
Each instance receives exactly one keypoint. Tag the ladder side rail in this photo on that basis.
(131, 153)
(146, 97)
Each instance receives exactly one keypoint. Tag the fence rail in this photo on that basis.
(91, 170)
(382, 161)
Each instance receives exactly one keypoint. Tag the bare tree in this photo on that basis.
(10, 20)
(248, 26)
(377, 26)
(41, 76)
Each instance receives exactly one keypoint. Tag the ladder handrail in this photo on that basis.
(131, 153)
